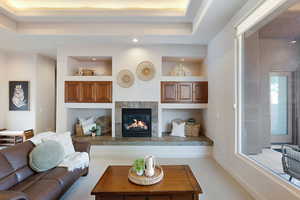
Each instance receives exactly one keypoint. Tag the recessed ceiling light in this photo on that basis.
(293, 42)
(94, 59)
(135, 40)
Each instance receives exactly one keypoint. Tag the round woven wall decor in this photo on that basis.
(145, 71)
(125, 78)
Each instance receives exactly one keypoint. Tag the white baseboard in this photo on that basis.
(157, 151)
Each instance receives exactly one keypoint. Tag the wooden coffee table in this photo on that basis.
(179, 183)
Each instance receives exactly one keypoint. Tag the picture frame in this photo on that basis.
(19, 99)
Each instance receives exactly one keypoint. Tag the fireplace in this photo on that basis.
(136, 122)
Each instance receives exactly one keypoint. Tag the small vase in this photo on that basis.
(93, 134)
(140, 172)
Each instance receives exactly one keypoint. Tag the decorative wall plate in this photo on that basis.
(125, 78)
(145, 71)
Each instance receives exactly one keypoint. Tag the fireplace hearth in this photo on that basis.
(136, 122)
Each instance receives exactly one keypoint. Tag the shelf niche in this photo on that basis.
(168, 115)
(101, 65)
(195, 66)
(74, 113)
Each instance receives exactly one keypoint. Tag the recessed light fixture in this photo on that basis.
(293, 42)
(135, 40)
(94, 59)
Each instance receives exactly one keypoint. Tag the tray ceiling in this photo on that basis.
(180, 5)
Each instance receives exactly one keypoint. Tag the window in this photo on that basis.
(268, 82)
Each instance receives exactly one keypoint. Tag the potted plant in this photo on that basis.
(94, 130)
(139, 166)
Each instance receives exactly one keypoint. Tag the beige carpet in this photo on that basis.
(215, 182)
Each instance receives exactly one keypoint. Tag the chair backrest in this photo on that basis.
(28, 134)
(292, 158)
(14, 166)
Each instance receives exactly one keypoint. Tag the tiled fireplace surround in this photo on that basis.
(135, 104)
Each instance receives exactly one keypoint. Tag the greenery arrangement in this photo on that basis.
(139, 165)
(94, 129)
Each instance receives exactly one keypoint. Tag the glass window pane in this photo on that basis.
(279, 109)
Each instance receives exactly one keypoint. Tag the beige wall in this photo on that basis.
(45, 94)
(21, 67)
(2, 87)
(39, 71)
(221, 117)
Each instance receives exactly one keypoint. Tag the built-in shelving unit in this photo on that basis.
(195, 72)
(194, 66)
(101, 65)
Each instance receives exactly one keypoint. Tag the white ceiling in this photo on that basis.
(44, 26)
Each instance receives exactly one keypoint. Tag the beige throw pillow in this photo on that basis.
(178, 129)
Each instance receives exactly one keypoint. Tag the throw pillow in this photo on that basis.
(178, 129)
(88, 121)
(65, 140)
(46, 155)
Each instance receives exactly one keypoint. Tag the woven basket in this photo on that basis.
(144, 180)
(192, 130)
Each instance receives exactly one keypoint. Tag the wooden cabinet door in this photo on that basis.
(200, 92)
(72, 91)
(87, 92)
(169, 92)
(185, 92)
(103, 92)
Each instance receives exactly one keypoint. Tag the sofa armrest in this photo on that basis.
(82, 146)
(13, 195)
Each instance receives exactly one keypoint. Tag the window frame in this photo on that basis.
(264, 11)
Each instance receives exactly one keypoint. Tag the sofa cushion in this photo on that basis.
(44, 189)
(63, 176)
(28, 182)
(15, 167)
(7, 178)
(46, 155)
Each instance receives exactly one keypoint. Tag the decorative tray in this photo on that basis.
(144, 180)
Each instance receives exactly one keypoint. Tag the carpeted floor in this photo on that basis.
(215, 182)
